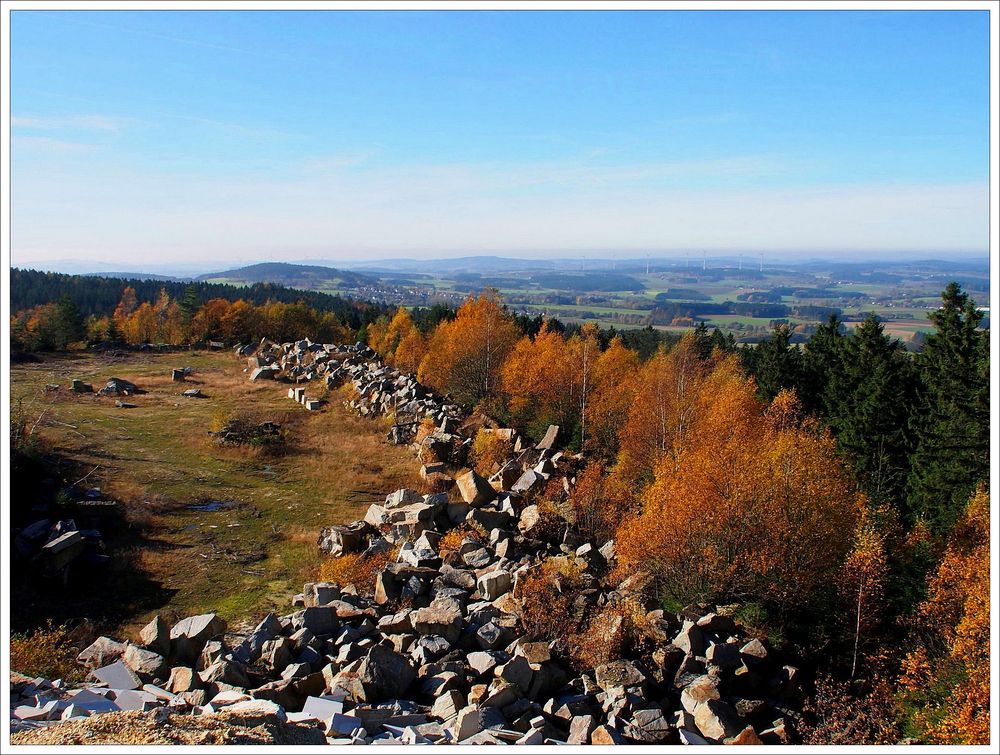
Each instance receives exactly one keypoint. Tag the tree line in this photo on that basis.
(99, 295)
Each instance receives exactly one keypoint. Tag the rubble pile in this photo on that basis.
(438, 654)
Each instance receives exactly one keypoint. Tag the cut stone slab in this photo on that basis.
(549, 440)
(324, 707)
(117, 676)
(475, 489)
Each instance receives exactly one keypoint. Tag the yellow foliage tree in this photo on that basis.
(538, 378)
(663, 409)
(946, 678)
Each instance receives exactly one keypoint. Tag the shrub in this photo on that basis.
(49, 652)
(451, 541)
(489, 451)
(618, 630)
(354, 569)
(845, 713)
(548, 595)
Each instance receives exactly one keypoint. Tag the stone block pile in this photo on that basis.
(438, 653)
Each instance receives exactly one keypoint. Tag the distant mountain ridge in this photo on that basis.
(293, 276)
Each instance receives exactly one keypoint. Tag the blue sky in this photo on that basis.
(288, 135)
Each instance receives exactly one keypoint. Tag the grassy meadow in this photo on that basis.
(159, 460)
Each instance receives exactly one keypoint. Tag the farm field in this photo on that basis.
(229, 529)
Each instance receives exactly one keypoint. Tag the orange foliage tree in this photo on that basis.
(206, 324)
(538, 378)
(946, 679)
(614, 384)
(465, 355)
(749, 503)
(662, 412)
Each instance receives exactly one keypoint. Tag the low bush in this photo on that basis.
(48, 652)
(354, 569)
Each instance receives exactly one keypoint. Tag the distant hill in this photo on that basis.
(314, 277)
(480, 264)
(137, 276)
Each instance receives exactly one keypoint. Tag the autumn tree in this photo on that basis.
(750, 502)
(465, 355)
(583, 350)
(126, 306)
(662, 410)
(614, 385)
(398, 327)
(947, 676)
(539, 380)
(862, 582)
(206, 323)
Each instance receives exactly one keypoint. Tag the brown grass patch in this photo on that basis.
(49, 652)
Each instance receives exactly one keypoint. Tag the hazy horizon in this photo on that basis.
(240, 137)
(750, 261)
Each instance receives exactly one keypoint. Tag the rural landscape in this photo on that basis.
(403, 473)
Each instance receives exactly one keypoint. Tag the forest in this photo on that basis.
(765, 476)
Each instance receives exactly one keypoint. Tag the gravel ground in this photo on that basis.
(134, 728)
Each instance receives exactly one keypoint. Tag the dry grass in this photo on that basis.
(49, 652)
(159, 458)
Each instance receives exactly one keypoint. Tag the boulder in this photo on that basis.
(198, 630)
(147, 664)
(156, 636)
(474, 489)
(385, 674)
(580, 728)
(621, 673)
(717, 720)
(441, 617)
(101, 652)
(182, 679)
(495, 583)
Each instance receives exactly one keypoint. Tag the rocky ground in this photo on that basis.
(438, 649)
